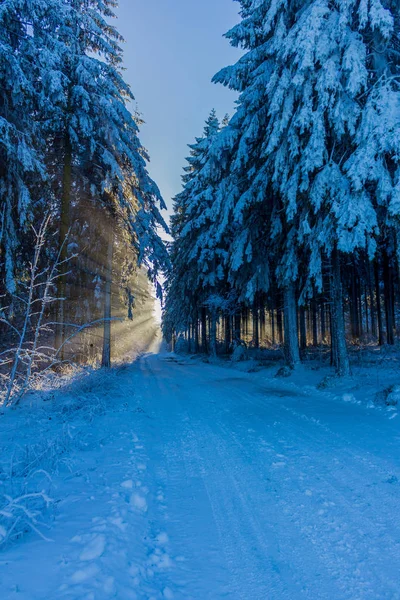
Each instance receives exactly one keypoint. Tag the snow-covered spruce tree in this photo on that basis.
(247, 196)
(375, 165)
(304, 84)
(24, 94)
(94, 137)
(193, 264)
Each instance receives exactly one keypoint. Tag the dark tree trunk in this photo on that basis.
(314, 322)
(106, 354)
(213, 333)
(388, 290)
(196, 335)
(339, 348)
(65, 223)
(273, 327)
(227, 333)
(262, 324)
(354, 314)
(204, 330)
(292, 355)
(372, 303)
(238, 331)
(256, 337)
(378, 304)
(360, 312)
(323, 323)
(279, 325)
(303, 328)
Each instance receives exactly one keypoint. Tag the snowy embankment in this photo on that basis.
(191, 481)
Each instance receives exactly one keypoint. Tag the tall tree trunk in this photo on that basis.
(303, 328)
(262, 324)
(227, 333)
(323, 323)
(204, 330)
(339, 348)
(381, 340)
(371, 301)
(360, 312)
(279, 325)
(256, 335)
(292, 354)
(237, 332)
(354, 314)
(213, 333)
(388, 289)
(65, 223)
(106, 355)
(196, 334)
(315, 322)
(273, 327)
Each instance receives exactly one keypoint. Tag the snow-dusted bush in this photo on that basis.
(21, 514)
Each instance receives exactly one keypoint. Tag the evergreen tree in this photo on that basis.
(25, 90)
(94, 137)
(193, 264)
(302, 111)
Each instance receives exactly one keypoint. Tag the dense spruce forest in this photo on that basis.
(79, 213)
(287, 227)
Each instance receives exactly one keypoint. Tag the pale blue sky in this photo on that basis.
(172, 50)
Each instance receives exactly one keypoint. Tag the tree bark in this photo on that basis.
(65, 223)
(279, 325)
(196, 335)
(213, 333)
(339, 348)
(381, 340)
(204, 330)
(354, 314)
(291, 347)
(303, 328)
(228, 334)
(323, 323)
(315, 322)
(388, 289)
(371, 301)
(256, 335)
(237, 324)
(106, 354)
(273, 327)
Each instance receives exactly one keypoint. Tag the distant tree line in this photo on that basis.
(287, 227)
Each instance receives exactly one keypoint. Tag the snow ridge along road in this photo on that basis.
(214, 484)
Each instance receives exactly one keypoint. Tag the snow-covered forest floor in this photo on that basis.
(171, 478)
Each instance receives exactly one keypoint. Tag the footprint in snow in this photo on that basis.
(139, 502)
(128, 485)
(162, 539)
(83, 575)
(94, 549)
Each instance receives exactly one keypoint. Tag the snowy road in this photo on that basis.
(219, 484)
